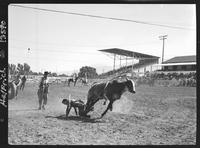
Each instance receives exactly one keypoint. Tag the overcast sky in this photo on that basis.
(61, 42)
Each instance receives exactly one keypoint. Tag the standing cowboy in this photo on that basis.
(43, 91)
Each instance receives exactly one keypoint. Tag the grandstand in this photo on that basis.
(144, 62)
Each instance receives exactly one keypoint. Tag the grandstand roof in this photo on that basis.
(128, 53)
(181, 59)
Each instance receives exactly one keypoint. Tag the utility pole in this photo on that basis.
(132, 66)
(163, 37)
(126, 61)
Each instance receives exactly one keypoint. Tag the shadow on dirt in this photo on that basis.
(77, 118)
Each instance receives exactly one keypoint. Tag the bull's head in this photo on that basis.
(130, 84)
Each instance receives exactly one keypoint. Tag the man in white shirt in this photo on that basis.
(43, 91)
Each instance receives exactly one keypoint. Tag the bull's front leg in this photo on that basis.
(108, 107)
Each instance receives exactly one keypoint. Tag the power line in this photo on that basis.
(75, 45)
(55, 51)
(103, 17)
(50, 58)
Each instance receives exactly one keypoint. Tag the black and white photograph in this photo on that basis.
(101, 74)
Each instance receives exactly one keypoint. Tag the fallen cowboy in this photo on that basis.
(78, 106)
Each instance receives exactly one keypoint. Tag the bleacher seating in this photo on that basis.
(128, 69)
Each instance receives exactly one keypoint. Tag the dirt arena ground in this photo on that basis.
(153, 116)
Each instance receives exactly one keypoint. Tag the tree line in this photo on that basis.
(22, 69)
(25, 69)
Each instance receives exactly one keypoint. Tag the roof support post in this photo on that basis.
(120, 62)
(126, 62)
(114, 62)
(132, 66)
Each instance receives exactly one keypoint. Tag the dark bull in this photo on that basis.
(109, 91)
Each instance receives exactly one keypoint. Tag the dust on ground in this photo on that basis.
(152, 116)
